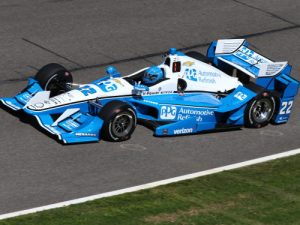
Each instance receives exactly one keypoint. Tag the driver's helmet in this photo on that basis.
(152, 75)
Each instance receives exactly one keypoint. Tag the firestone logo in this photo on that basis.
(168, 112)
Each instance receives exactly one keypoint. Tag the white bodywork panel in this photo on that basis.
(271, 69)
(201, 76)
(109, 88)
(65, 115)
(234, 47)
(226, 46)
(39, 97)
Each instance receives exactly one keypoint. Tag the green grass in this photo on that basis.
(268, 193)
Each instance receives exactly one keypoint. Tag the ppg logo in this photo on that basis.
(240, 95)
(191, 74)
(108, 86)
(168, 112)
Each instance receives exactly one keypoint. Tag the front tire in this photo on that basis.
(119, 121)
(54, 78)
(260, 111)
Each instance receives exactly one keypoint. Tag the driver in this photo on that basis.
(152, 75)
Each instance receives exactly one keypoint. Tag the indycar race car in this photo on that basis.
(232, 86)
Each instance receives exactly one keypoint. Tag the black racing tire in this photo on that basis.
(119, 121)
(277, 96)
(259, 111)
(54, 77)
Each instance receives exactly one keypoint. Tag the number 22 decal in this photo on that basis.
(286, 107)
(87, 90)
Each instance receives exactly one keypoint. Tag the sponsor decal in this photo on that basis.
(87, 90)
(191, 74)
(271, 69)
(209, 74)
(148, 101)
(86, 134)
(207, 80)
(183, 131)
(200, 76)
(118, 82)
(57, 99)
(240, 95)
(70, 95)
(274, 68)
(70, 124)
(196, 112)
(156, 92)
(108, 86)
(25, 97)
(286, 107)
(188, 63)
(228, 45)
(183, 113)
(54, 100)
(250, 56)
(38, 105)
(283, 118)
(168, 112)
(185, 117)
(186, 113)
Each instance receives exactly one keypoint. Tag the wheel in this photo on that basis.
(119, 121)
(54, 77)
(260, 111)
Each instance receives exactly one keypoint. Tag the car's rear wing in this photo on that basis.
(235, 53)
(274, 77)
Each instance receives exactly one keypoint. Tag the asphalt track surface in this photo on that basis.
(86, 36)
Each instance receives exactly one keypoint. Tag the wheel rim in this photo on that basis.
(262, 110)
(122, 125)
(56, 84)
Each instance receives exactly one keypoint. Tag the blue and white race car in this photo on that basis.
(232, 86)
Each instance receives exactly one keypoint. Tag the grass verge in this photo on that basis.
(267, 193)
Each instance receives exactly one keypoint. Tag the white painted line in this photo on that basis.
(153, 184)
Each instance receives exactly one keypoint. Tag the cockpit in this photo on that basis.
(146, 78)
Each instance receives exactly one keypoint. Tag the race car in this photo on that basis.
(232, 86)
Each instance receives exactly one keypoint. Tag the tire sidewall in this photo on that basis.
(48, 72)
(124, 138)
(109, 113)
(249, 120)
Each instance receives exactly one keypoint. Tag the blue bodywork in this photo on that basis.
(282, 84)
(170, 114)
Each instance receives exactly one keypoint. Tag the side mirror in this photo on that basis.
(112, 72)
(181, 86)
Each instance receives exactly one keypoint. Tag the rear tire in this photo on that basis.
(259, 111)
(54, 77)
(119, 121)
